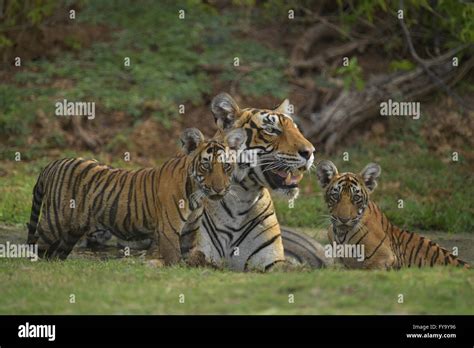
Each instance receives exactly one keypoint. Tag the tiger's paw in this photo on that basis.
(287, 266)
(197, 258)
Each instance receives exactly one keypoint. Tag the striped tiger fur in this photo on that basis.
(244, 233)
(302, 249)
(299, 248)
(74, 196)
(356, 220)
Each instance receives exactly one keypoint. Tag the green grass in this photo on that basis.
(128, 286)
(166, 58)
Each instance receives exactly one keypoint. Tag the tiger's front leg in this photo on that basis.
(169, 247)
(153, 256)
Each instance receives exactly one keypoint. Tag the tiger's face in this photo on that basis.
(211, 167)
(346, 194)
(282, 153)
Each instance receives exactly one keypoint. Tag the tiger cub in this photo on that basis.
(76, 196)
(357, 221)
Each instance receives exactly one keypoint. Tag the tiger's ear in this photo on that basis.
(369, 174)
(225, 110)
(236, 138)
(283, 108)
(325, 170)
(190, 139)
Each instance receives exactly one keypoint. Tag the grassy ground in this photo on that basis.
(127, 286)
(102, 283)
(166, 58)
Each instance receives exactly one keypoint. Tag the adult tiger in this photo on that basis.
(356, 220)
(244, 233)
(76, 196)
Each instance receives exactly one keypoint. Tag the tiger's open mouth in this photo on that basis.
(284, 178)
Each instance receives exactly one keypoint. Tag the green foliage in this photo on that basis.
(39, 10)
(451, 21)
(401, 65)
(14, 122)
(352, 75)
(359, 9)
(457, 18)
(26, 13)
(244, 3)
(5, 41)
(278, 9)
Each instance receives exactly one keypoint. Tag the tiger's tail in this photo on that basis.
(38, 193)
(303, 249)
(420, 251)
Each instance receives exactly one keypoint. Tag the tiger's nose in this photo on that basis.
(344, 220)
(219, 190)
(306, 152)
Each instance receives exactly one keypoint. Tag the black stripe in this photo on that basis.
(226, 208)
(110, 176)
(262, 246)
(59, 182)
(43, 235)
(146, 203)
(251, 228)
(377, 248)
(214, 240)
(434, 257)
(406, 246)
(171, 223)
(420, 244)
(267, 267)
(264, 230)
(361, 237)
(187, 232)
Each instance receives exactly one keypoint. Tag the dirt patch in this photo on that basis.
(17, 234)
(56, 35)
(449, 129)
